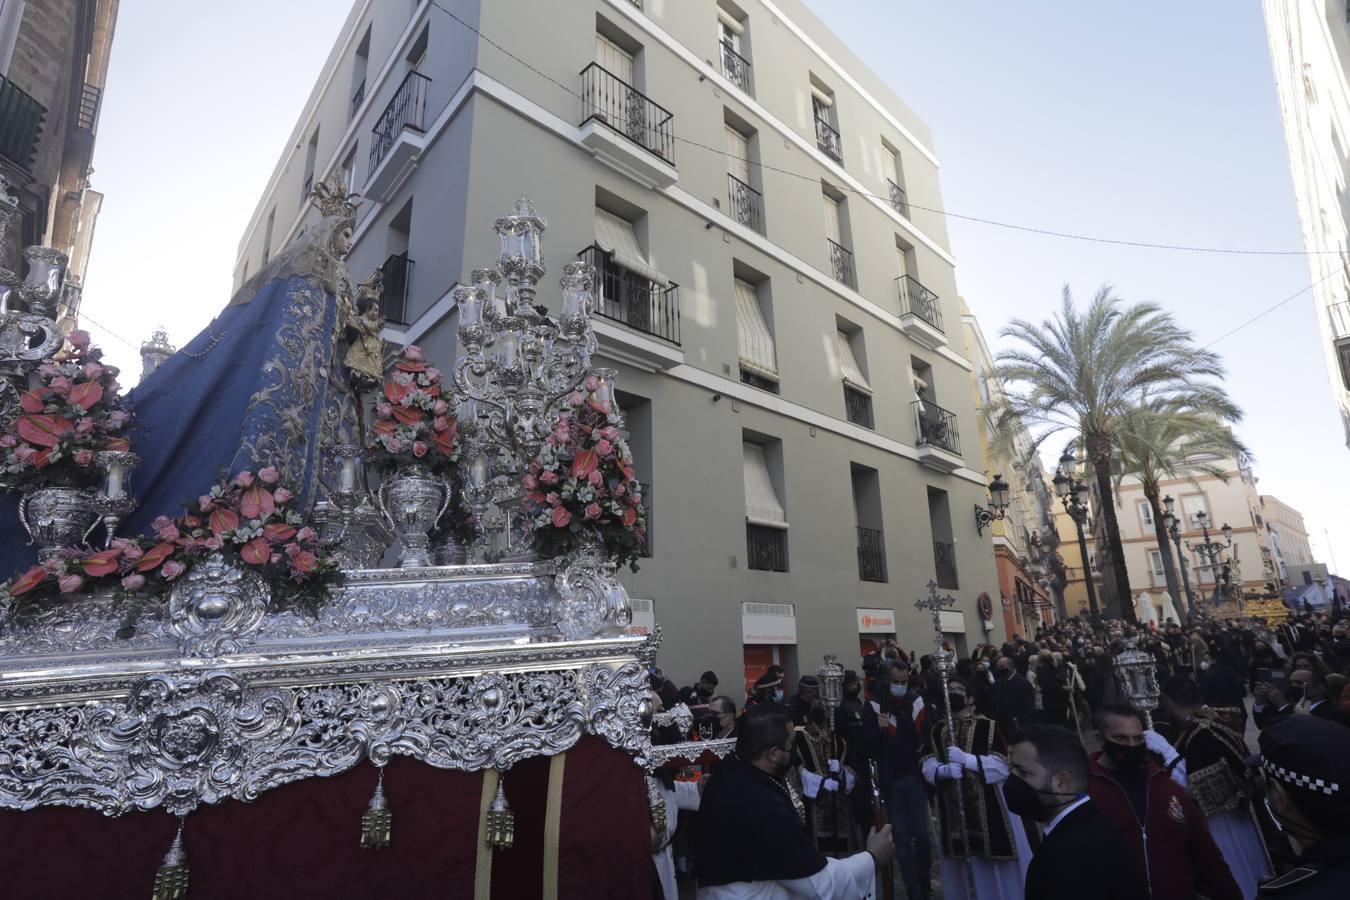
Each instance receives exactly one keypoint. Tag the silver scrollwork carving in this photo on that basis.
(591, 599)
(216, 606)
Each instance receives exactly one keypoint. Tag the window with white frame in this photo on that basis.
(1192, 505)
(1146, 513)
(1155, 566)
(349, 170)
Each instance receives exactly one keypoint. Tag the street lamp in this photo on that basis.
(1210, 550)
(998, 500)
(1174, 532)
(1073, 493)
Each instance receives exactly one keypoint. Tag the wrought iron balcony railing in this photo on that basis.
(944, 561)
(841, 264)
(936, 427)
(871, 555)
(919, 300)
(397, 272)
(736, 68)
(613, 102)
(1339, 313)
(899, 202)
(632, 298)
(755, 380)
(21, 119)
(858, 406)
(86, 119)
(358, 98)
(407, 109)
(766, 548)
(747, 205)
(827, 139)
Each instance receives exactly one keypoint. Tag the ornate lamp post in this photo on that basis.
(1210, 550)
(1174, 531)
(1073, 493)
(1138, 675)
(998, 505)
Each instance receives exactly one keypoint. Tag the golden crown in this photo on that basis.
(333, 198)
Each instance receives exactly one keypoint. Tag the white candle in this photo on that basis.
(114, 486)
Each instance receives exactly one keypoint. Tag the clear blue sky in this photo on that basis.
(1152, 120)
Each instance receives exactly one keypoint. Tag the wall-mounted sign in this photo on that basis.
(876, 621)
(768, 623)
(953, 621)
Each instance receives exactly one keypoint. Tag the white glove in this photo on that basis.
(834, 766)
(1159, 745)
(829, 784)
(849, 781)
(963, 759)
(949, 772)
(811, 784)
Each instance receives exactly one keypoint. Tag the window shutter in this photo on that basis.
(848, 363)
(615, 235)
(762, 506)
(752, 332)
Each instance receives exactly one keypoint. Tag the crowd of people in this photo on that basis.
(1034, 774)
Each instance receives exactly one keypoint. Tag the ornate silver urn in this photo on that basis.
(57, 517)
(413, 500)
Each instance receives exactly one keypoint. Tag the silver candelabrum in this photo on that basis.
(517, 368)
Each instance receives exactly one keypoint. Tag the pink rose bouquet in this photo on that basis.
(413, 423)
(582, 483)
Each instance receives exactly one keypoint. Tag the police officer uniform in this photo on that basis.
(1309, 754)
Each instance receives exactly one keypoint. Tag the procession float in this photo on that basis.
(303, 615)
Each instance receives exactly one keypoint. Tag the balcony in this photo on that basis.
(858, 406)
(841, 264)
(396, 282)
(944, 562)
(746, 203)
(397, 138)
(827, 139)
(871, 555)
(21, 119)
(937, 438)
(86, 118)
(766, 548)
(920, 313)
(649, 309)
(899, 202)
(625, 129)
(357, 99)
(736, 68)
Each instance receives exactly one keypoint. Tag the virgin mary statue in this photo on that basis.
(263, 385)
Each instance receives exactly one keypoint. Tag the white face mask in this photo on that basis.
(898, 690)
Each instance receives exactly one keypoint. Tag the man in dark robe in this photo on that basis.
(752, 837)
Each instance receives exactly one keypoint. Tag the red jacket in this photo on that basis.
(1173, 845)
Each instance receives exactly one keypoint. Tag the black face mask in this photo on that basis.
(852, 691)
(1025, 800)
(817, 716)
(1125, 757)
(957, 701)
(1002, 674)
(1294, 693)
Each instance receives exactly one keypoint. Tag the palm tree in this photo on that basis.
(1177, 439)
(1083, 372)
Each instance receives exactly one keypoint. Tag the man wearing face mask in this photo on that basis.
(1306, 765)
(1082, 853)
(752, 843)
(1158, 819)
(824, 781)
(895, 722)
(992, 845)
(1307, 693)
(1014, 698)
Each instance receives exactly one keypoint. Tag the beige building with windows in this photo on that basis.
(786, 328)
(1288, 536)
(1201, 499)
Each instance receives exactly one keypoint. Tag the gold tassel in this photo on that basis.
(171, 878)
(500, 823)
(377, 821)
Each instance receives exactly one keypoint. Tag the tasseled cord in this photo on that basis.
(171, 878)
(501, 824)
(377, 822)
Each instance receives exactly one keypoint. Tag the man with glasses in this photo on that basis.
(752, 840)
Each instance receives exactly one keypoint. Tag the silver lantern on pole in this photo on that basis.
(1137, 672)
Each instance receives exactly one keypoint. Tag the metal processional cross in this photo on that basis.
(944, 657)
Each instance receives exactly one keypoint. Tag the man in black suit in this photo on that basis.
(1307, 692)
(1082, 853)
(1014, 698)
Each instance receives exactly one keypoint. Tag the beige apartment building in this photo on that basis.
(1288, 536)
(1201, 499)
(784, 322)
